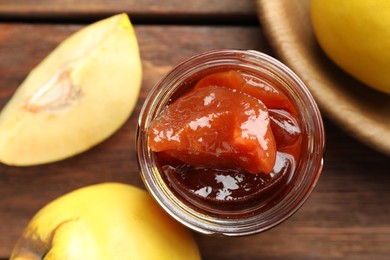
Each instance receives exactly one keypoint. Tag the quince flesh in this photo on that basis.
(105, 221)
(356, 36)
(79, 95)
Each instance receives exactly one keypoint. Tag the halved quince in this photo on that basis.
(78, 96)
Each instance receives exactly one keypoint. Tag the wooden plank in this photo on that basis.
(140, 11)
(346, 217)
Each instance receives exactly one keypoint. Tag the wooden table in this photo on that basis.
(347, 216)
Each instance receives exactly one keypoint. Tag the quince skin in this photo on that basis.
(79, 95)
(356, 36)
(105, 221)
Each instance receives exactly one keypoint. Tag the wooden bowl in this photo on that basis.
(363, 112)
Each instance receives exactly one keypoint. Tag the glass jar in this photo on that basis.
(256, 218)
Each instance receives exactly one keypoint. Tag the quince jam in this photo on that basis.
(229, 140)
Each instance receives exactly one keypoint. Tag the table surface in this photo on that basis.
(346, 217)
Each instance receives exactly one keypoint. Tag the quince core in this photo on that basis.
(78, 96)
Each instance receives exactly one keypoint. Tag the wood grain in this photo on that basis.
(347, 216)
(358, 109)
(140, 11)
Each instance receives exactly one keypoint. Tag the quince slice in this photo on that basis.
(78, 96)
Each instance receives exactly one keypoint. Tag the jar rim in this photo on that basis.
(311, 165)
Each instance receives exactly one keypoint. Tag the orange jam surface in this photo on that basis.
(231, 138)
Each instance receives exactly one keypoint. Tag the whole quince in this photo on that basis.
(104, 221)
(356, 36)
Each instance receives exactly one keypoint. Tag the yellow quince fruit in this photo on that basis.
(102, 222)
(356, 36)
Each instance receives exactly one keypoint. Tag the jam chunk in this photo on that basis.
(219, 127)
(251, 85)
